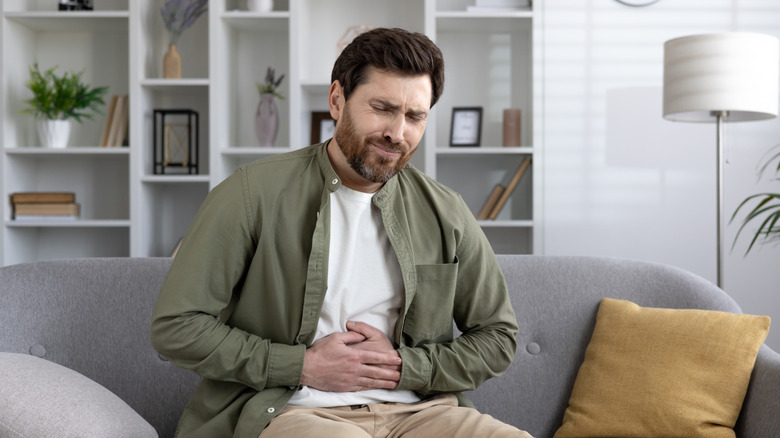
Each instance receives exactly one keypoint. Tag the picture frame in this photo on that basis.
(322, 126)
(466, 128)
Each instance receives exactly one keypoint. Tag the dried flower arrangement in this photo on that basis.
(178, 15)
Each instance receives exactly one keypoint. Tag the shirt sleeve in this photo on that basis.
(186, 325)
(483, 314)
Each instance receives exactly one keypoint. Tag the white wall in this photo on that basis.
(621, 181)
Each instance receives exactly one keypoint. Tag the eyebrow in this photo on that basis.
(393, 106)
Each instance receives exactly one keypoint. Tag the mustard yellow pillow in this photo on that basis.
(663, 372)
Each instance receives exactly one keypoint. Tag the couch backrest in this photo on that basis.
(93, 316)
(556, 299)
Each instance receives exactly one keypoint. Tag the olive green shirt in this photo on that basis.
(242, 299)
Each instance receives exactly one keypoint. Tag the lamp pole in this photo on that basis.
(719, 115)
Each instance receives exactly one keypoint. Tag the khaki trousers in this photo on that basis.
(437, 417)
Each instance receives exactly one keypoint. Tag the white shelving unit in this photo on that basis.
(127, 210)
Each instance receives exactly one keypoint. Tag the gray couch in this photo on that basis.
(91, 316)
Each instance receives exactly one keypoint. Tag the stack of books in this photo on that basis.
(44, 206)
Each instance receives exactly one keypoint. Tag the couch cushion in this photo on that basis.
(663, 372)
(64, 403)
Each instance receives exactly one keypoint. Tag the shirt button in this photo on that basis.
(335, 181)
(271, 410)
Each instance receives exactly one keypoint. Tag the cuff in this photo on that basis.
(415, 370)
(285, 365)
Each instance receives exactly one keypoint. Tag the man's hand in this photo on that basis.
(375, 340)
(360, 359)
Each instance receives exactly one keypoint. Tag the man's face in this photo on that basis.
(380, 127)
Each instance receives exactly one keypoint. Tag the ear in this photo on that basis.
(336, 100)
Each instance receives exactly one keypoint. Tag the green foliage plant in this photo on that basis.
(62, 97)
(271, 84)
(766, 207)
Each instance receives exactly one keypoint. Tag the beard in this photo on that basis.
(372, 167)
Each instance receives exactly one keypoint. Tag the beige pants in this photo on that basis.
(437, 417)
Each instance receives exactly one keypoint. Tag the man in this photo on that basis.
(315, 291)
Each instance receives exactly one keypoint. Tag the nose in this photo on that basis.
(394, 130)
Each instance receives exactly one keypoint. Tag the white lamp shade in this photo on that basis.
(733, 72)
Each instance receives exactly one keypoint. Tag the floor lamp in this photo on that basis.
(717, 78)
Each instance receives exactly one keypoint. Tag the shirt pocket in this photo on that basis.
(429, 318)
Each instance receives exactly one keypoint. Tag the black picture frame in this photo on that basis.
(187, 120)
(322, 126)
(466, 127)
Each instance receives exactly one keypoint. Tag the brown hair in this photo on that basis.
(393, 50)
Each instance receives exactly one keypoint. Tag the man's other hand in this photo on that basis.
(360, 359)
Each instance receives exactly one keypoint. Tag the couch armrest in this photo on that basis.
(39, 398)
(760, 414)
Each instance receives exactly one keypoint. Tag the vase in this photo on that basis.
(260, 5)
(266, 120)
(172, 63)
(54, 133)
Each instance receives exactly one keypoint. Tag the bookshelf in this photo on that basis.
(127, 210)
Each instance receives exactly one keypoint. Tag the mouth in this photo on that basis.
(386, 151)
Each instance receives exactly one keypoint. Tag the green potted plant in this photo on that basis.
(58, 99)
(766, 207)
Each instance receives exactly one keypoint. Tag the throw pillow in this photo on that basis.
(652, 372)
(39, 398)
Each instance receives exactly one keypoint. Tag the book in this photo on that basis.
(109, 118)
(510, 188)
(121, 133)
(116, 118)
(44, 218)
(46, 209)
(176, 248)
(42, 197)
(490, 203)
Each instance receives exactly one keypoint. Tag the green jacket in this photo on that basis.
(242, 299)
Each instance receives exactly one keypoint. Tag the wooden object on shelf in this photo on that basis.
(42, 197)
(512, 124)
(109, 119)
(44, 205)
(121, 133)
(172, 63)
(46, 209)
(510, 188)
(491, 201)
(119, 117)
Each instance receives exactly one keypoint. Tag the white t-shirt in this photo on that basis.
(364, 284)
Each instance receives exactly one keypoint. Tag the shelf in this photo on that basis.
(489, 22)
(254, 150)
(487, 13)
(77, 223)
(486, 150)
(174, 179)
(88, 21)
(70, 151)
(506, 223)
(257, 21)
(173, 84)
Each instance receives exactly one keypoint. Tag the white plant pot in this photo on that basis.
(260, 5)
(54, 133)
